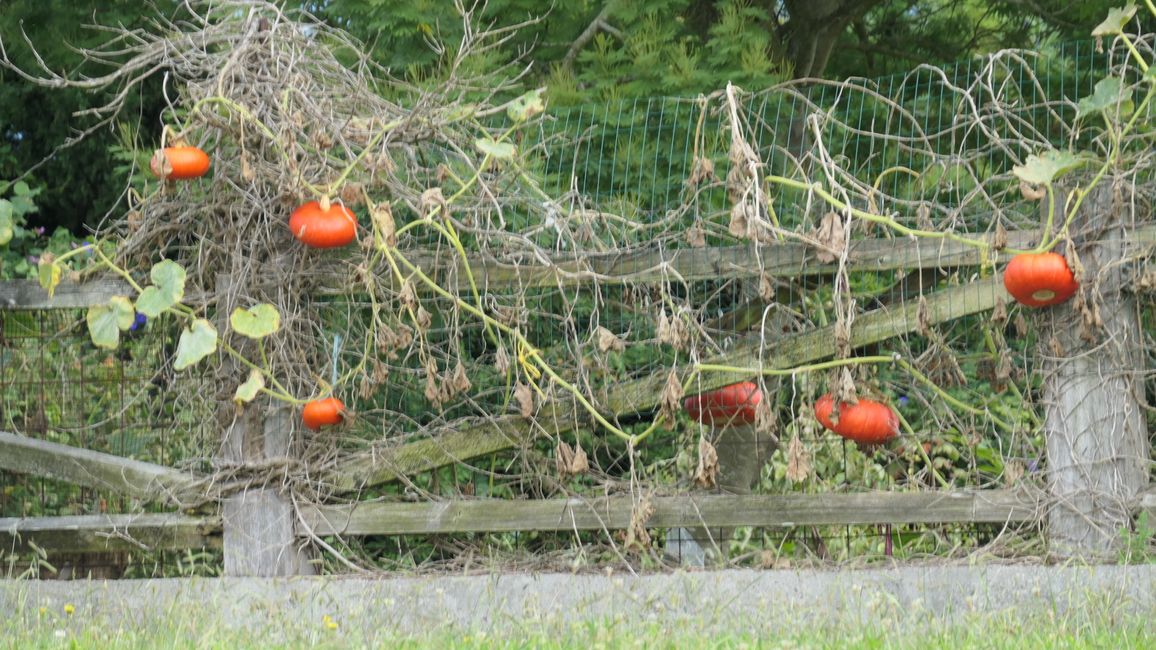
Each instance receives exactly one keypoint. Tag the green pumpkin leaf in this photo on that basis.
(247, 391)
(1114, 23)
(49, 273)
(499, 150)
(256, 322)
(526, 106)
(106, 322)
(197, 342)
(1048, 166)
(7, 225)
(1108, 93)
(168, 289)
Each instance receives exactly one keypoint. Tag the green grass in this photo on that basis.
(199, 629)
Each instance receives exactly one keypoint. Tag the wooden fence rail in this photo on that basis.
(98, 533)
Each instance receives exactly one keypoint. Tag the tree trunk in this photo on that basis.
(1097, 439)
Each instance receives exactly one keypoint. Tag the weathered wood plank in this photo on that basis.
(687, 511)
(135, 478)
(96, 533)
(27, 294)
(455, 443)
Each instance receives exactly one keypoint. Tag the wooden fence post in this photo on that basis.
(259, 537)
(257, 523)
(1097, 436)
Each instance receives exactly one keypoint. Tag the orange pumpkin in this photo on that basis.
(323, 412)
(734, 404)
(868, 421)
(181, 163)
(1039, 279)
(319, 228)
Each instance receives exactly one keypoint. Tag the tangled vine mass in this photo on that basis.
(492, 296)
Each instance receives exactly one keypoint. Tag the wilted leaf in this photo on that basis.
(526, 106)
(1021, 325)
(923, 217)
(460, 381)
(48, 272)
(167, 289)
(702, 170)
(197, 342)
(247, 391)
(831, 238)
(845, 388)
(525, 398)
(1109, 93)
(384, 227)
(696, 237)
(570, 461)
(1056, 347)
(706, 474)
(1048, 166)
(739, 220)
(256, 322)
(1115, 22)
(798, 461)
(502, 361)
(766, 288)
(922, 317)
(424, 320)
(670, 403)
(430, 199)
(999, 312)
(1032, 192)
(106, 322)
(637, 536)
(495, 149)
(1012, 473)
(607, 341)
(999, 239)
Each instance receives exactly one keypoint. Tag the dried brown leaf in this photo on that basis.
(999, 239)
(670, 403)
(798, 461)
(706, 474)
(1012, 473)
(923, 317)
(460, 381)
(999, 312)
(637, 536)
(1056, 347)
(502, 361)
(423, 318)
(432, 201)
(384, 227)
(696, 236)
(831, 238)
(570, 461)
(1021, 325)
(739, 225)
(433, 392)
(923, 217)
(608, 341)
(845, 392)
(525, 397)
(1032, 192)
(702, 170)
(765, 420)
(766, 288)
(842, 338)
(407, 296)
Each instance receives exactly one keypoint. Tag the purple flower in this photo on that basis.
(33, 260)
(39, 230)
(138, 322)
(903, 401)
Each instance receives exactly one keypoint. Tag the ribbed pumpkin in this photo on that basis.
(181, 163)
(868, 421)
(734, 404)
(1039, 279)
(319, 228)
(323, 412)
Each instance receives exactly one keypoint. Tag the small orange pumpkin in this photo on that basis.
(180, 163)
(734, 404)
(323, 412)
(1039, 279)
(868, 421)
(319, 228)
